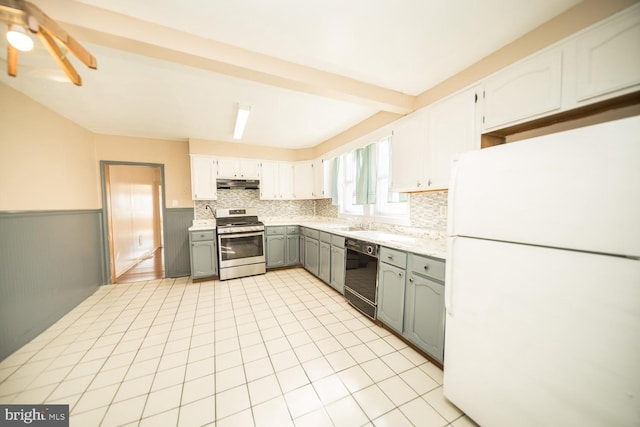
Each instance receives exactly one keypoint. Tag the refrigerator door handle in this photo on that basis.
(448, 302)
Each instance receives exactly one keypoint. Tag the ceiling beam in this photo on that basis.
(113, 30)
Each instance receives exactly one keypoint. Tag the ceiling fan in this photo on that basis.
(20, 14)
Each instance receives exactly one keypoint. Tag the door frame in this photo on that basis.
(107, 273)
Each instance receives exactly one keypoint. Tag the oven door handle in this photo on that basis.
(249, 234)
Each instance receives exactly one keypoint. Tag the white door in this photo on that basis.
(541, 337)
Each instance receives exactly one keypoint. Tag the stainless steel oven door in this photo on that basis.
(241, 248)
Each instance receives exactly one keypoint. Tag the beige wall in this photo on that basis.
(230, 149)
(46, 161)
(173, 154)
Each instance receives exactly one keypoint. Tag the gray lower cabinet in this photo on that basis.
(311, 255)
(324, 267)
(337, 264)
(283, 247)
(275, 251)
(301, 248)
(204, 256)
(293, 249)
(391, 288)
(425, 314)
(411, 298)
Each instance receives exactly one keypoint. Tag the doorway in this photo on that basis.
(133, 206)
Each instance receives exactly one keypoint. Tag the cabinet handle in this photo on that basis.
(411, 279)
(390, 256)
(399, 274)
(418, 183)
(426, 267)
(429, 183)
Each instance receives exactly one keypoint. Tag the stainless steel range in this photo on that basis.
(240, 243)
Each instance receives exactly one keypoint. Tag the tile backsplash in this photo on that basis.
(251, 199)
(428, 210)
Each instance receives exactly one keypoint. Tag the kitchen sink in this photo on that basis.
(381, 236)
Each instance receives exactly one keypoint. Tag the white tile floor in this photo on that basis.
(282, 349)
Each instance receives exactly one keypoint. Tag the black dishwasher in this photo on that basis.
(361, 276)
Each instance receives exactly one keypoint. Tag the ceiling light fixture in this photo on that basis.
(21, 15)
(18, 38)
(241, 121)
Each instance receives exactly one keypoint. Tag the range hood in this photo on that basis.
(238, 184)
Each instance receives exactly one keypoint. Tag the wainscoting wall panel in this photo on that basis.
(177, 261)
(50, 261)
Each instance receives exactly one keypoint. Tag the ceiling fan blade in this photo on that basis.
(55, 31)
(12, 60)
(12, 11)
(63, 62)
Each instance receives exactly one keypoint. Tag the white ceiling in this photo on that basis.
(382, 51)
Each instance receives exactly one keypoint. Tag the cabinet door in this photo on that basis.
(269, 181)
(292, 249)
(424, 318)
(203, 178)
(408, 152)
(324, 269)
(318, 179)
(337, 269)
(608, 58)
(203, 259)
(524, 91)
(285, 181)
(249, 169)
(327, 179)
(302, 247)
(275, 251)
(391, 296)
(303, 180)
(311, 255)
(228, 168)
(451, 130)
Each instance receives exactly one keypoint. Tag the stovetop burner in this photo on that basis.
(238, 220)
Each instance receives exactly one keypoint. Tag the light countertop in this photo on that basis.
(418, 242)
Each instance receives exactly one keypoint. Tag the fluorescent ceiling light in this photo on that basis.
(241, 121)
(18, 38)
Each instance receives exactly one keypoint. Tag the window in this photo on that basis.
(389, 204)
(375, 199)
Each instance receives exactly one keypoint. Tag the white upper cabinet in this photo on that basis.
(276, 181)
(608, 58)
(451, 130)
(524, 91)
(318, 179)
(408, 153)
(203, 177)
(327, 178)
(238, 168)
(303, 180)
(425, 143)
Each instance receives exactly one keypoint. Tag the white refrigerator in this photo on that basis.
(542, 289)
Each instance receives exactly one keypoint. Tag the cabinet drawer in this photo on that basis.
(337, 241)
(274, 230)
(293, 229)
(314, 234)
(197, 236)
(427, 266)
(325, 237)
(393, 257)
